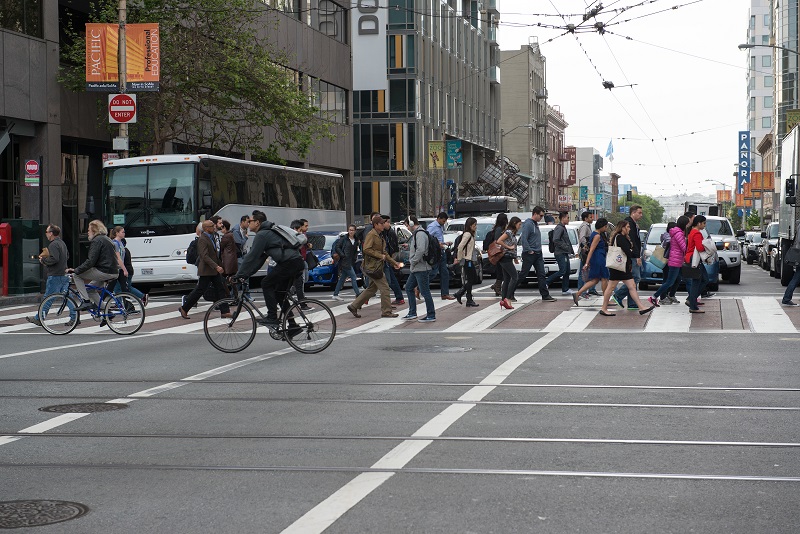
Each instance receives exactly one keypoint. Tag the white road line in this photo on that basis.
(486, 318)
(766, 316)
(331, 509)
(383, 324)
(671, 318)
(75, 345)
(572, 320)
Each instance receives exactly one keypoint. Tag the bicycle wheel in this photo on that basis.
(58, 314)
(124, 314)
(312, 331)
(229, 334)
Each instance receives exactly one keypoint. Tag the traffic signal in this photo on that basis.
(629, 196)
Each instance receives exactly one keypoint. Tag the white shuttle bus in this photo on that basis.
(159, 200)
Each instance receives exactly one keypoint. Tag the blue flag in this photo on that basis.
(610, 151)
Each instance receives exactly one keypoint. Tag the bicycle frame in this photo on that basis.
(96, 311)
(288, 301)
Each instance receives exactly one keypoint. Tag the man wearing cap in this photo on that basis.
(375, 248)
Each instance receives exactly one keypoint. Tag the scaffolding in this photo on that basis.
(489, 184)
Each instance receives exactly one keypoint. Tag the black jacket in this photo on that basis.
(347, 251)
(102, 256)
(636, 241)
(392, 245)
(266, 243)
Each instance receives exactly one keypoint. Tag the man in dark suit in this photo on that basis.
(636, 258)
(209, 271)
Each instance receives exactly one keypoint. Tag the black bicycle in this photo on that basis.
(122, 312)
(230, 323)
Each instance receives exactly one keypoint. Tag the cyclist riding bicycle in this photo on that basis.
(101, 265)
(289, 265)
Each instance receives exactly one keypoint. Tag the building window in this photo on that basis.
(765, 39)
(766, 122)
(766, 61)
(330, 100)
(768, 102)
(752, 22)
(752, 106)
(751, 125)
(768, 81)
(23, 16)
(290, 7)
(766, 20)
(329, 18)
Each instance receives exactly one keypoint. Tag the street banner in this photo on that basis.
(792, 119)
(744, 159)
(436, 155)
(584, 192)
(455, 158)
(723, 196)
(142, 56)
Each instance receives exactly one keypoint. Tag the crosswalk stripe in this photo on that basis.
(484, 319)
(766, 316)
(675, 319)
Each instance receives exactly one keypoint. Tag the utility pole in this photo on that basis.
(502, 167)
(123, 67)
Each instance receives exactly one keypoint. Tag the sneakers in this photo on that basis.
(783, 302)
(337, 297)
(398, 302)
(410, 317)
(666, 301)
(548, 298)
(567, 292)
(427, 320)
(37, 322)
(617, 301)
(575, 299)
(633, 308)
(306, 307)
(389, 315)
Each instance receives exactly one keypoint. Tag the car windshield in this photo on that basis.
(654, 237)
(719, 227)
(322, 242)
(754, 237)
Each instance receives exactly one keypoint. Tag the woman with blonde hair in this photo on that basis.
(101, 265)
(619, 237)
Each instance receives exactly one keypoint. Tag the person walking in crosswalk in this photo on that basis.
(620, 237)
(594, 269)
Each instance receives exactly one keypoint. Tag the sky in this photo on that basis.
(687, 73)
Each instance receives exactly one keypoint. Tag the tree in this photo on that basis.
(223, 84)
(652, 210)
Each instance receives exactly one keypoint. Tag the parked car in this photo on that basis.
(752, 247)
(403, 237)
(326, 273)
(769, 247)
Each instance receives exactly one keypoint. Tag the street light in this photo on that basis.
(748, 46)
(503, 133)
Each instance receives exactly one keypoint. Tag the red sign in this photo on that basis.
(32, 166)
(121, 108)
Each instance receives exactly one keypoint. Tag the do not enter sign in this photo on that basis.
(121, 109)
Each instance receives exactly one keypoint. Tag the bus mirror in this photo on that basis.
(791, 199)
(206, 204)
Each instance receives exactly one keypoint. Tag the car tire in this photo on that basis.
(734, 275)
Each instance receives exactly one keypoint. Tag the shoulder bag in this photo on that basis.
(495, 252)
(615, 258)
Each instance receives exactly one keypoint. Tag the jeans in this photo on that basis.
(128, 286)
(623, 292)
(672, 276)
(343, 274)
(793, 283)
(563, 272)
(422, 280)
(388, 273)
(509, 277)
(57, 284)
(535, 260)
(277, 282)
(696, 287)
(444, 274)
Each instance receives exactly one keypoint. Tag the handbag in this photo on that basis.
(691, 272)
(471, 273)
(615, 258)
(372, 267)
(495, 252)
(312, 261)
(657, 258)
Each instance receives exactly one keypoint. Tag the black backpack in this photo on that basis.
(488, 240)
(551, 246)
(433, 255)
(191, 253)
(457, 242)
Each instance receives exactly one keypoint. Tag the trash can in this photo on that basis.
(24, 270)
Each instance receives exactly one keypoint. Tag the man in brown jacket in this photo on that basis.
(375, 249)
(209, 271)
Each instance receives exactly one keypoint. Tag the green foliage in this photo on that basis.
(734, 217)
(615, 218)
(653, 211)
(753, 220)
(223, 85)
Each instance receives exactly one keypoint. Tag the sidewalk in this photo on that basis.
(14, 300)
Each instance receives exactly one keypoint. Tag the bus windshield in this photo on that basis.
(148, 196)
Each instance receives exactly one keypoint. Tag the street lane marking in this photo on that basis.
(572, 320)
(669, 319)
(331, 509)
(766, 316)
(484, 319)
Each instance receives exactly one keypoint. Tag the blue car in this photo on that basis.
(653, 275)
(326, 273)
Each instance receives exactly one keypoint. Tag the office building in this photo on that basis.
(557, 159)
(760, 77)
(423, 70)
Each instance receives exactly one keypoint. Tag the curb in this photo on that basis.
(13, 300)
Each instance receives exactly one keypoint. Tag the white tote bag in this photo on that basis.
(615, 258)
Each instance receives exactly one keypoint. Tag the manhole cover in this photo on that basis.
(429, 349)
(20, 514)
(86, 407)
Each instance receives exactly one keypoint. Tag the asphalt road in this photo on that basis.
(580, 429)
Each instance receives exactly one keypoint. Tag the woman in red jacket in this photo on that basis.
(695, 242)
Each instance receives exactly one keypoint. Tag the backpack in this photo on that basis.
(433, 255)
(551, 246)
(488, 240)
(292, 238)
(336, 246)
(457, 242)
(191, 253)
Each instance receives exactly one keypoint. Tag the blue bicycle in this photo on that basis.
(122, 312)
